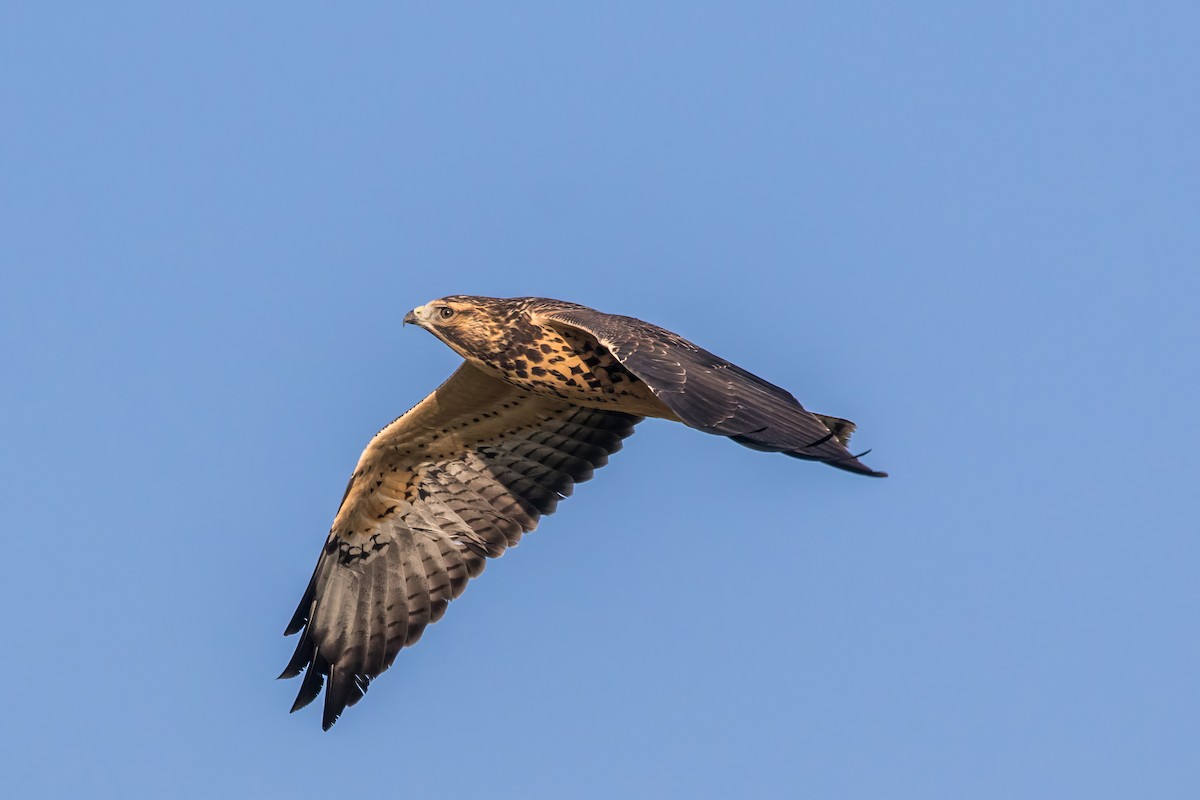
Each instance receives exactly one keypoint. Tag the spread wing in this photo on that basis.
(710, 394)
(451, 483)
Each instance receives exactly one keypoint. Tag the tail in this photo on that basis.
(828, 449)
(840, 428)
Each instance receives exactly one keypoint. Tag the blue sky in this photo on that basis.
(971, 229)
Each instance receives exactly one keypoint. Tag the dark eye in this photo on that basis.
(445, 312)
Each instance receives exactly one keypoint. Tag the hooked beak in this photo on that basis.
(412, 318)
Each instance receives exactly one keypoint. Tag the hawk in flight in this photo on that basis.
(546, 393)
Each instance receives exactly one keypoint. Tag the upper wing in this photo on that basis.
(711, 394)
(455, 480)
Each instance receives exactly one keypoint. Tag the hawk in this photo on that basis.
(546, 393)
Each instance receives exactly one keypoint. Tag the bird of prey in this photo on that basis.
(545, 394)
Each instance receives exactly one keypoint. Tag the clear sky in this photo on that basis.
(970, 228)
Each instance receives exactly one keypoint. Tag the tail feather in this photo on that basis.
(840, 428)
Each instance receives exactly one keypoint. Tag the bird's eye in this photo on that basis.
(445, 312)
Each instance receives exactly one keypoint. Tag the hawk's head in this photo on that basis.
(480, 329)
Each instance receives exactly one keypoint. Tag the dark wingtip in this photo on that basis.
(345, 689)
(301, 658)
(852, 464)
(865, 470)
(871, 473)
(310, 685)
(857, 469)
(861, 469)
(308, 692)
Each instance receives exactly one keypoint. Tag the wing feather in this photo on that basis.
(709, 393)
(441, 590)
(457, 480)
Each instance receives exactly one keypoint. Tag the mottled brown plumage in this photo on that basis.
(546, 393)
